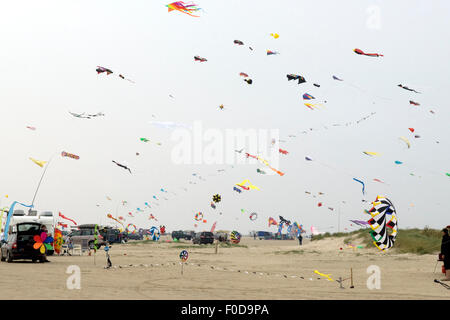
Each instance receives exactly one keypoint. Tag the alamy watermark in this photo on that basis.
(74, 280)
(225, 146)
(374, 280)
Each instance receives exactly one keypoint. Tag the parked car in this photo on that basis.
(221, 236)
(135, 236)
(85, 236)
(203, 238)
(264, 235)
(20, 243)
(112, 235)
(188, 235)
(178, 235)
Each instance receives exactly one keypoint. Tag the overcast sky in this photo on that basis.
(50, 50)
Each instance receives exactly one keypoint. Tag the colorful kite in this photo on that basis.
(144, 139)
(359, 51)
(43, 242)
(244, 186)
(414, 103)
(180, 6)
(369, 153)
(383, 216)
(39, 162)
(154, 233)
(58, 241)
(307, 96)
(265, 162)
(238, 42)
(295, 77)
(243, 74)
(31, 128)
(217, 198)
(198, 58)
(272, 222)
(69, 155)
(235, 237)
(398, 162)
(363, 185)
(184, 255)
(275, 35)
(64, 217)
(237, 189)
(253, 216)
(328, 276)
(260, 171)
(198, 216)
(129, 230)
(406, 141)
(269, 53)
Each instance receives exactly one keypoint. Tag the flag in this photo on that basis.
(213, 227)
(272, 221)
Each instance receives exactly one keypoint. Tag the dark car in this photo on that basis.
(135, 236)
(20, 243)
(178, 235)
(264, 235)
(188, 235)
(112, 235)
(203, 238)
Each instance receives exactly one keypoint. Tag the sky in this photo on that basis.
(52, 48)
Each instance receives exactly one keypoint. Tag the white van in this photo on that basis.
(44, 217)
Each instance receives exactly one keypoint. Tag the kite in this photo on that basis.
(275, 35)
(58, 241)
(144, 140)
(414, 103)
(180, 6)
(221, 107)
(184, 255)
(253, 216)
(383, 216)
(238, 42)
(198, 216)
(398, 162)
(316, 85)
(295, 77)
(448, 174)
(102, 69)
(377, 180)
(152, 217)
(43, 242)
(64, 217)
(328, 276)
(269, 53)
(265, 162)
(308, 159)
(31, 128)
(235, 237)
(243, 185)
(213, 205)
(406, 88)
(312, 106)
(213, 227)
(243, 74)
(336, 78)
(260, 171)
(406, 141)
(98, 114)
(79, 115)
(359, 51)
(154, 233)
(283, 151)
(237, 189)
(198, 58)
(128, 228)
(371, 153)
(249, 81)
(122, 166)
(284, 221)
(272, 221)
(154, 197)
(73, 156)
(38, 162)
(307, 96)
(363, 186)
(319, 204)
(411, 129)
(217, 198)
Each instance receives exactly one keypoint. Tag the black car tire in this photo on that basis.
(34, 260)
(91, 245)
(2, 257)
(9, 258)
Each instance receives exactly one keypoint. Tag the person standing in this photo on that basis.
(445, 253)
(300, 238)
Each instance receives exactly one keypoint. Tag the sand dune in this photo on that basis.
(264, 269)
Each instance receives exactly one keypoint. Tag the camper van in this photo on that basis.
(44, 217)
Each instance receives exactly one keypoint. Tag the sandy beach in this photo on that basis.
(259, 269)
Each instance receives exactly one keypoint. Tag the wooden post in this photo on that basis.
(182, 264)
(351, 278)
(217, 246)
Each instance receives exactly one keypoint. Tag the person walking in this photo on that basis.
(445, 253)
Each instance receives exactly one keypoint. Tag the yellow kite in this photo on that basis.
(38, 162)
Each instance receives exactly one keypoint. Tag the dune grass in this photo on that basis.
(417, 241)
(298, 251)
